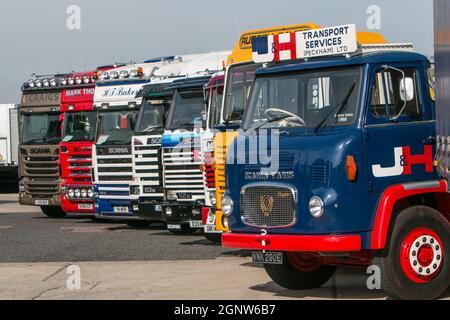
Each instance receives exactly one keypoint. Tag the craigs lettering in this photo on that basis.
(41, 99)
(40, 150)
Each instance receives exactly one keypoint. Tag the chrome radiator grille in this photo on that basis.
(268, 206)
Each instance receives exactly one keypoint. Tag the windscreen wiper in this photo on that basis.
(271, 121)
(337, 110)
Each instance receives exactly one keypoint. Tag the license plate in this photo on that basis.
(184, 196)
(121, 209)
(41, 202)
(210, 228)
(158, 208)
(196, 224)
(175, 227)
(268, 257)
(84, 206)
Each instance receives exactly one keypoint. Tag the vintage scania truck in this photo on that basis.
(183, 144)
(117, 106)
(350, 130)
(40, 135)
(79, 133)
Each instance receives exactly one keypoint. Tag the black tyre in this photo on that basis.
(138, 224)
(416, 266)
(53, 212)
(214, 237)
(300, 272)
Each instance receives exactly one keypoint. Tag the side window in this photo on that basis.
(431, 75)
(395, 92)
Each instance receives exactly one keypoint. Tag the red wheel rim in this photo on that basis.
(304, 262)
(422, 255)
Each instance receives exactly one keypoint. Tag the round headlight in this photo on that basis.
(90, 193)
(71, 193)
(316, 207)
(171, 195)
(70, 81)
(124, 74)
(104, 76)
(114, 75)
(77, 193)
(63, 81)
(169, 211)
(31, 83)
(38, 83)
(212, 198)
(46, 83)
(53, 83)
(78, 80)
(227, 206)
(86, 79)
(84, 193)
(134, 73)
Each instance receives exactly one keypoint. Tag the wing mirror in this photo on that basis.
(407, 89)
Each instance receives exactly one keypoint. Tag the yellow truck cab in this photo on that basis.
(239, 77)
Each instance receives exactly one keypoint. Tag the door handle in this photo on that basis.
(429, 141)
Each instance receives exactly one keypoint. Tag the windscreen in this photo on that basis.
(239, 82)
(40, 128)
(305, 99)
(116, 127)
(214, 98)
(80, 126)
(151, 117)
(186, 110)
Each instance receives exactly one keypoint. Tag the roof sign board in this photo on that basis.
(339, 40)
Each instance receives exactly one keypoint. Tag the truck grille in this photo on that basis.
(148, 166)
(42, 175)
(182, 173)
(114, 168)
(268, 206)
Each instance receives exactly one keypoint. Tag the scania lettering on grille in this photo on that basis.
(40, 150)
(118, 150)
(404, 162)
(259, 175)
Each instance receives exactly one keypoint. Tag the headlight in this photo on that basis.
(104, 76)
(114, 74)
(46, 83)
(84, 193)
(86, 79)
(133, 73)
(38, 83)
(71, 193)
(227, 206)
(171, 195)
(135, 190)
(90, 193)
(70, 81)
(316, 207)
(225, 222)
(63, 81)
(77, 193)
(169, 211)
(31, 83)
(78, 80)
(124, 74)
(212, 198)
(53, 83)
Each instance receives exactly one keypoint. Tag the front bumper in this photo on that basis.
(105, 209)
(70, 206)
(293, 243)
(182, 213)
(26, 199)
(148, 211)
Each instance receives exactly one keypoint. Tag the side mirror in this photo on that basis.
(407, 89)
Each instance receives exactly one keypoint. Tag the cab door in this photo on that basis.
(399, 127)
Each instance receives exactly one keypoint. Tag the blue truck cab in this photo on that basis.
(334, 166)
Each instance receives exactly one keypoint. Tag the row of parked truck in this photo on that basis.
(348, 118)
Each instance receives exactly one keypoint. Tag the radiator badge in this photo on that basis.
(266, 203)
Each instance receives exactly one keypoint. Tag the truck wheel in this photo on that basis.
(53, 212)
(214, 237)
(417, 264)
(300, 271)
(138, 224)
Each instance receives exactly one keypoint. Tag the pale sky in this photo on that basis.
(34, 36)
